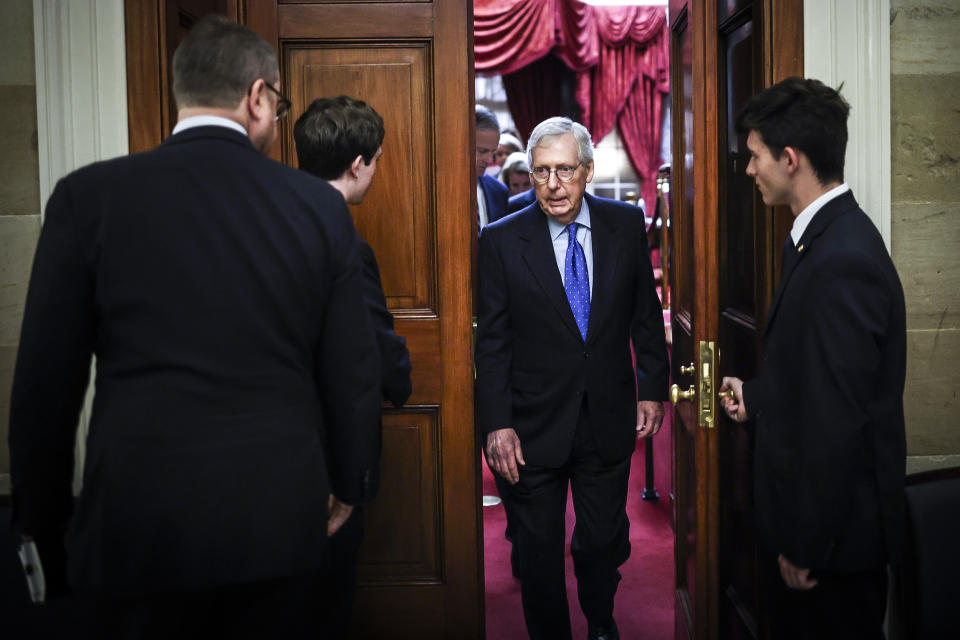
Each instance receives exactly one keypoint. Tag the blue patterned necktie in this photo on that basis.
(576, 281)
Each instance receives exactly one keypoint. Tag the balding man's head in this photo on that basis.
(218, 61)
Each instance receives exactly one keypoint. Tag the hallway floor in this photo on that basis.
(644, 604)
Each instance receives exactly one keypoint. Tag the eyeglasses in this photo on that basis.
(564, 173)
(283, 105)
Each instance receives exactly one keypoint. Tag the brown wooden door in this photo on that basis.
(420, 570)
(723, 268)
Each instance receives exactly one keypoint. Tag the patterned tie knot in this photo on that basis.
(572, 229)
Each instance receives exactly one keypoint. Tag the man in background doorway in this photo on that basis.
(237, 373)
(339, 139)
(491, 193)
(830, 452)
(565, 286)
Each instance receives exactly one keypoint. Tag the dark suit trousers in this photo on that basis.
(339, 586)
(843, 606)
(269, 609)
(537, 506)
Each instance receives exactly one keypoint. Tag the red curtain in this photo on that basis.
(532, 92)
(620, 55)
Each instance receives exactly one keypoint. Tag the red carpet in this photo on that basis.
(644, 604)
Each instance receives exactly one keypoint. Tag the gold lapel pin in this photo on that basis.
(800, 249)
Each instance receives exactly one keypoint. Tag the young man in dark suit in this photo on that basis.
(828, 402)
(491, 193)
(565, 286)
(237, 379)
(339, 139)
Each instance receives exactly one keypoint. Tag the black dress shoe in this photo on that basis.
(607, 632)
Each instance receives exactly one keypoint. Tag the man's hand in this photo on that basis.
(649, 418)
(339, 514)
(735, 408)
(794, 576)
(504, 453)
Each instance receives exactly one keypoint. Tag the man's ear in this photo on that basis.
(355, 167)
(793, 158)
(257, 102)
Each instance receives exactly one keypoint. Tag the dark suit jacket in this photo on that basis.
(532, 364)
(830, 454)
(221, 294)
(522, 200)
(495, 194)
(394, 357)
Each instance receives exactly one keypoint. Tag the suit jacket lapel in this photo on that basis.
(542, 262)
(605, 260)
(830, 212)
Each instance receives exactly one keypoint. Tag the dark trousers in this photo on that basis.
(537, 506)
(339, 586)
(269, 609)
(848, 606)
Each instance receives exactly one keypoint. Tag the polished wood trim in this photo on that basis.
(453, 116)
(706, 204)
(144, 89)
(364, 21)
(261, 16)
(782, 42)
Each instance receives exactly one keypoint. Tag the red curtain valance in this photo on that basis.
(620, 55)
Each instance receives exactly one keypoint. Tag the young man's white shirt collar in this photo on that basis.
(802, 221)
(208, 121)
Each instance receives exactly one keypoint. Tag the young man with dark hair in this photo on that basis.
(828, 401)
(229, 411)
(339, 139)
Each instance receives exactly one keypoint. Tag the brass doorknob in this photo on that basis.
(676, 395)
(687, 369)
(728, 394)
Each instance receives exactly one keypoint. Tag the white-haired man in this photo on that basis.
(565, 285)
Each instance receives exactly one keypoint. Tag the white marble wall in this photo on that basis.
(925, 213)
(19, 191)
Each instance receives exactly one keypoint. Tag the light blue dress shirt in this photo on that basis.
(560, 235)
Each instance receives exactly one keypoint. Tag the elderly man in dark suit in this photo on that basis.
(237, 380)
(565, 286)
(491, 193)
(828, 401)
(339, 139)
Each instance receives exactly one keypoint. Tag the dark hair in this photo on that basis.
(217, 62)
(334, 131)
(806, 115)
(486, 120)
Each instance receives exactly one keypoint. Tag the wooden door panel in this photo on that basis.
(724, 242)
(419, 573)
(687, 475)
(357, 20)
(743, 222)
(396, 216)
(405, 550)
(423, 341)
